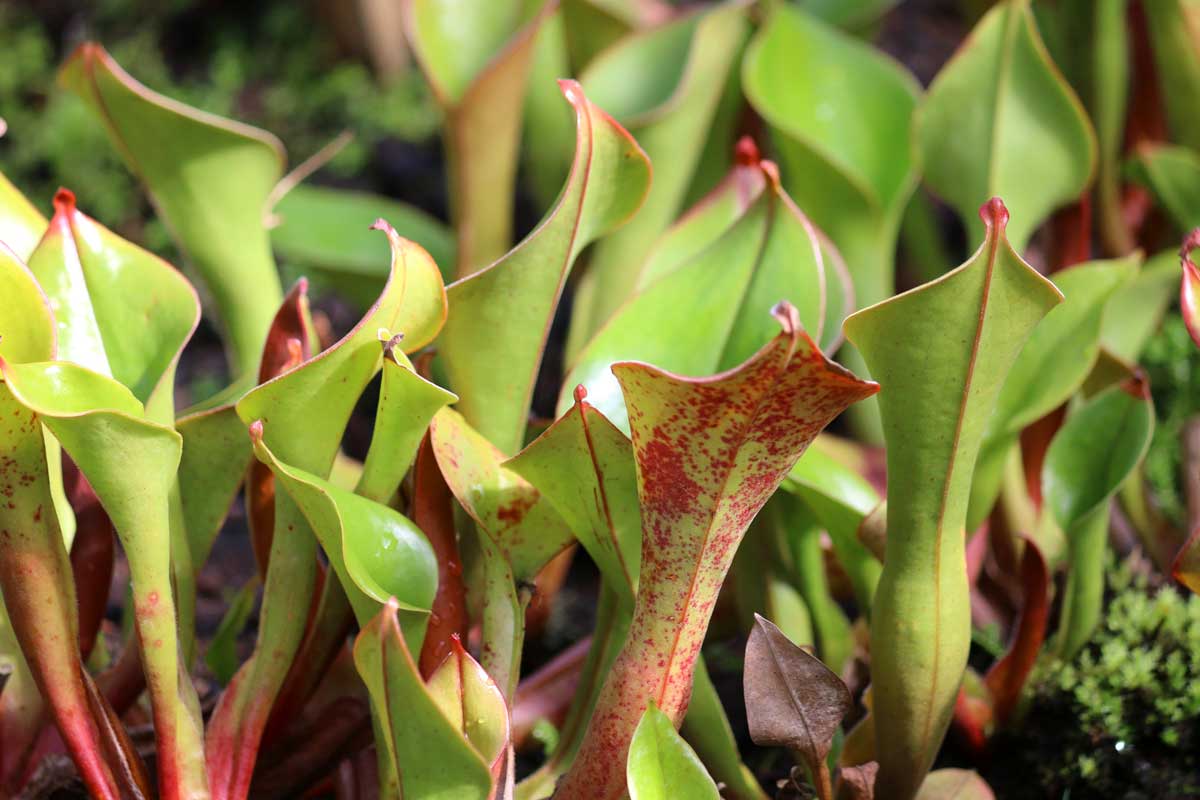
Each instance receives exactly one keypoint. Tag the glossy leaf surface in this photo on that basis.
(840, 499)
(709, 451)
(584, 468)
(476, 57)
(211, 183)
(840, 115)
(519, 533)
(324, 388)
(119, 310)
(1059, 356)
(377, 553)
(709, 284)
(502, 314)
(472, 702)
(998, 113)
(1094, 452)
(662, 765)
(21, 225)
(323, 232)
(424, 746)
(130, 463)
(663, 83)
(39, 604)
(407, 403)
(939, 383)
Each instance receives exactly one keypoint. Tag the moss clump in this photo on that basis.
(1121, 720)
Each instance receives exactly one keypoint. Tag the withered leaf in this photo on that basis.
(792, 699)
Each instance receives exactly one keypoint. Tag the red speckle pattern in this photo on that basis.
(709, 455)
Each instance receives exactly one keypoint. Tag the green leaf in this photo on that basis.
(1095, 450)
(407, 403)
(953, 784)
(1134, 313)
(222, 656)
(21, 225)
(323, 231)
(663, 83)
(424, 746)
(210, 179)
(472, 703)
(519, 532)
(706, 728)
(377, 553)
(22, 710)
(216, 451)
(211, 468)
(798, 538)
(998, 113)
(1089, 458)
(840, 116)
(548, 130)
(325, 388)
(584, 468)
(39, 603)
(943, 349)
(662, 765)
(608, 180)
(478, 73)
(1090, 42)
(26, 322)
(743, 249)
(1173, 174)
(709, 451)
(841, 499)
(130, 463)
(1053, 365)
(125, 313)
(120, 310)
(849, 14)
(27, 334)
(304, 412)
(1171, 25)
(792, 699)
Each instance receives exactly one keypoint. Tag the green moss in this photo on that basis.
(1121, 720)
(273, 64)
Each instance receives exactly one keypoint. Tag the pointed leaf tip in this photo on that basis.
(256, 431)
(788, 317)
(746, 153)
(64, 201)
(994, 214)
(381, 224)
(571, 90)
(391, 344)
(1137, 385)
